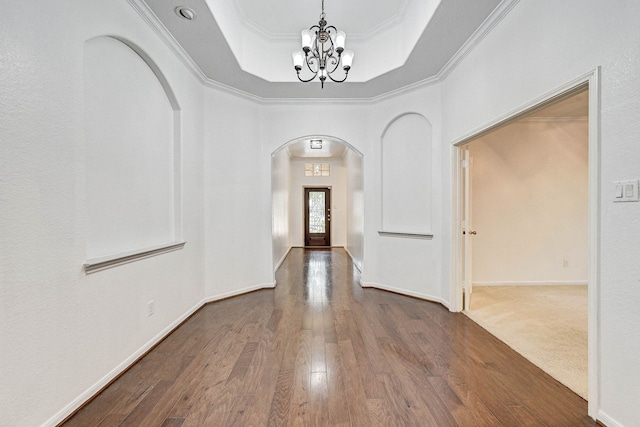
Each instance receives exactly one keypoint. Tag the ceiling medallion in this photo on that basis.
(323, 48)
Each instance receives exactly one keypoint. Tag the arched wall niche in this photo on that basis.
(285, 186)
(406, 175)
(133, 154)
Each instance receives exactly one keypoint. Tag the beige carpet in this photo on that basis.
(546, 324)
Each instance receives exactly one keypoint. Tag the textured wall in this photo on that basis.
(131, 169)
(407, 174)
(408, 265)
(237, 197)
(65, 333)
(355, 205)
(281, 200)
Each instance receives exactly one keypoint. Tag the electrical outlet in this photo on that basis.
(566, 263)
(151, 308)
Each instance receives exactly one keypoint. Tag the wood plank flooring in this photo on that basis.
(319, 350)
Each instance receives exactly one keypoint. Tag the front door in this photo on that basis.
(317, 217)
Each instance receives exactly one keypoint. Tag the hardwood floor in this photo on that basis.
(319, 350)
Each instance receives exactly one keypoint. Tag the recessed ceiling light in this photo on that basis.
(185, 13)
(315, 144)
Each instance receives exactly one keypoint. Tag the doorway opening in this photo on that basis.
(333, 171)
(317, 216)
(495, 247)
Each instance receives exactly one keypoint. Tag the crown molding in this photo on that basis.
(163, 33)
(481, 32)
(429, 81)
(384, 25)
(372, 100)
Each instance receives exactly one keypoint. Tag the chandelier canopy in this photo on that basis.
(322, 53)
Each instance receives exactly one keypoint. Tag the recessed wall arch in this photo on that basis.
(406, 176)
(133, 155)
(173, 100)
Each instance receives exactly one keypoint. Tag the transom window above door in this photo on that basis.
(317, 169)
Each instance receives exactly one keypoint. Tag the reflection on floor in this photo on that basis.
(546, 324)
(319, 350)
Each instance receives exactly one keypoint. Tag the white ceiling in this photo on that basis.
(247, 44)
(284, 17)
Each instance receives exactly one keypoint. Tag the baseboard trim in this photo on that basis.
(607, 420)
(318, 247)
(93, 391)
(353, 260)
(231, 294)
(282, 259)
(405, 292)
(533, 283)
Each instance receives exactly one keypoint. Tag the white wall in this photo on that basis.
(411, 266)
(540, 46)
(355, 206)
(130, 166)
(529, 203)
(280, 199)
(406, 175)
(338, 183)
(237, 197)
(64, 332)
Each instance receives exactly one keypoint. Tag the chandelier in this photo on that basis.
(322, 52)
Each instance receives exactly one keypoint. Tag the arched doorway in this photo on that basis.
(317, 161)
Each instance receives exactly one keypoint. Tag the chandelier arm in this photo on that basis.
(346, 73)
(310, 61)
(335, 61)
(306, 81)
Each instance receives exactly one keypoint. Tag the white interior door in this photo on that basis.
(467, 230)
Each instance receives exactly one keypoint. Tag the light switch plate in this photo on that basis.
(626, 191)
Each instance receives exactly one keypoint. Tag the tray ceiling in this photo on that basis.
(246, 45)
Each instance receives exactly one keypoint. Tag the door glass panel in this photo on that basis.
(316, 212)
